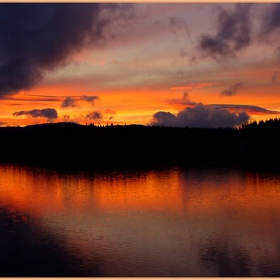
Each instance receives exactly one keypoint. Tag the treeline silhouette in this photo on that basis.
(91, 146)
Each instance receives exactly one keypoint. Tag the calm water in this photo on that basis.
(173, 222)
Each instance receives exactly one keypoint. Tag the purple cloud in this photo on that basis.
(48, 113)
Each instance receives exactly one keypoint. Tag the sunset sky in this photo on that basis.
(172, 64)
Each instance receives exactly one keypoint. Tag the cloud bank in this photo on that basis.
(201, 116)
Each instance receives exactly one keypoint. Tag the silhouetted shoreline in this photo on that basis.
(87, 146)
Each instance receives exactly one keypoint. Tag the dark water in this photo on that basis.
(173, 222)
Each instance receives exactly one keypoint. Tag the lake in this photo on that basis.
(153, 222)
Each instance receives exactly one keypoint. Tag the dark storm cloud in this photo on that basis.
(97, 115)
(275, 77)
(232, 90)
(232, 35)
(90, 99)
(39, 37)
(68, 102)
(48, 113)
(201, 116)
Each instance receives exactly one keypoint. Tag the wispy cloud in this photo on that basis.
(250, 109)
(232, 90)
(185, 100)
(33, 98)
(90, 99)
(275, 77)
(71, 102)
(194, 86)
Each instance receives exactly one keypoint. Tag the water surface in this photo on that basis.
(166, 222)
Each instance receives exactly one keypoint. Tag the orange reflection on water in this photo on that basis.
(162, 218)
(194, 194)
(233, 199)
(26, 192)
(146, 192)
(40, 191)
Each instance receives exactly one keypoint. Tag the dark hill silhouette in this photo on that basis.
(90, 146)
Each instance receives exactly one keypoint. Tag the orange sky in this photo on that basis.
(152, 55)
